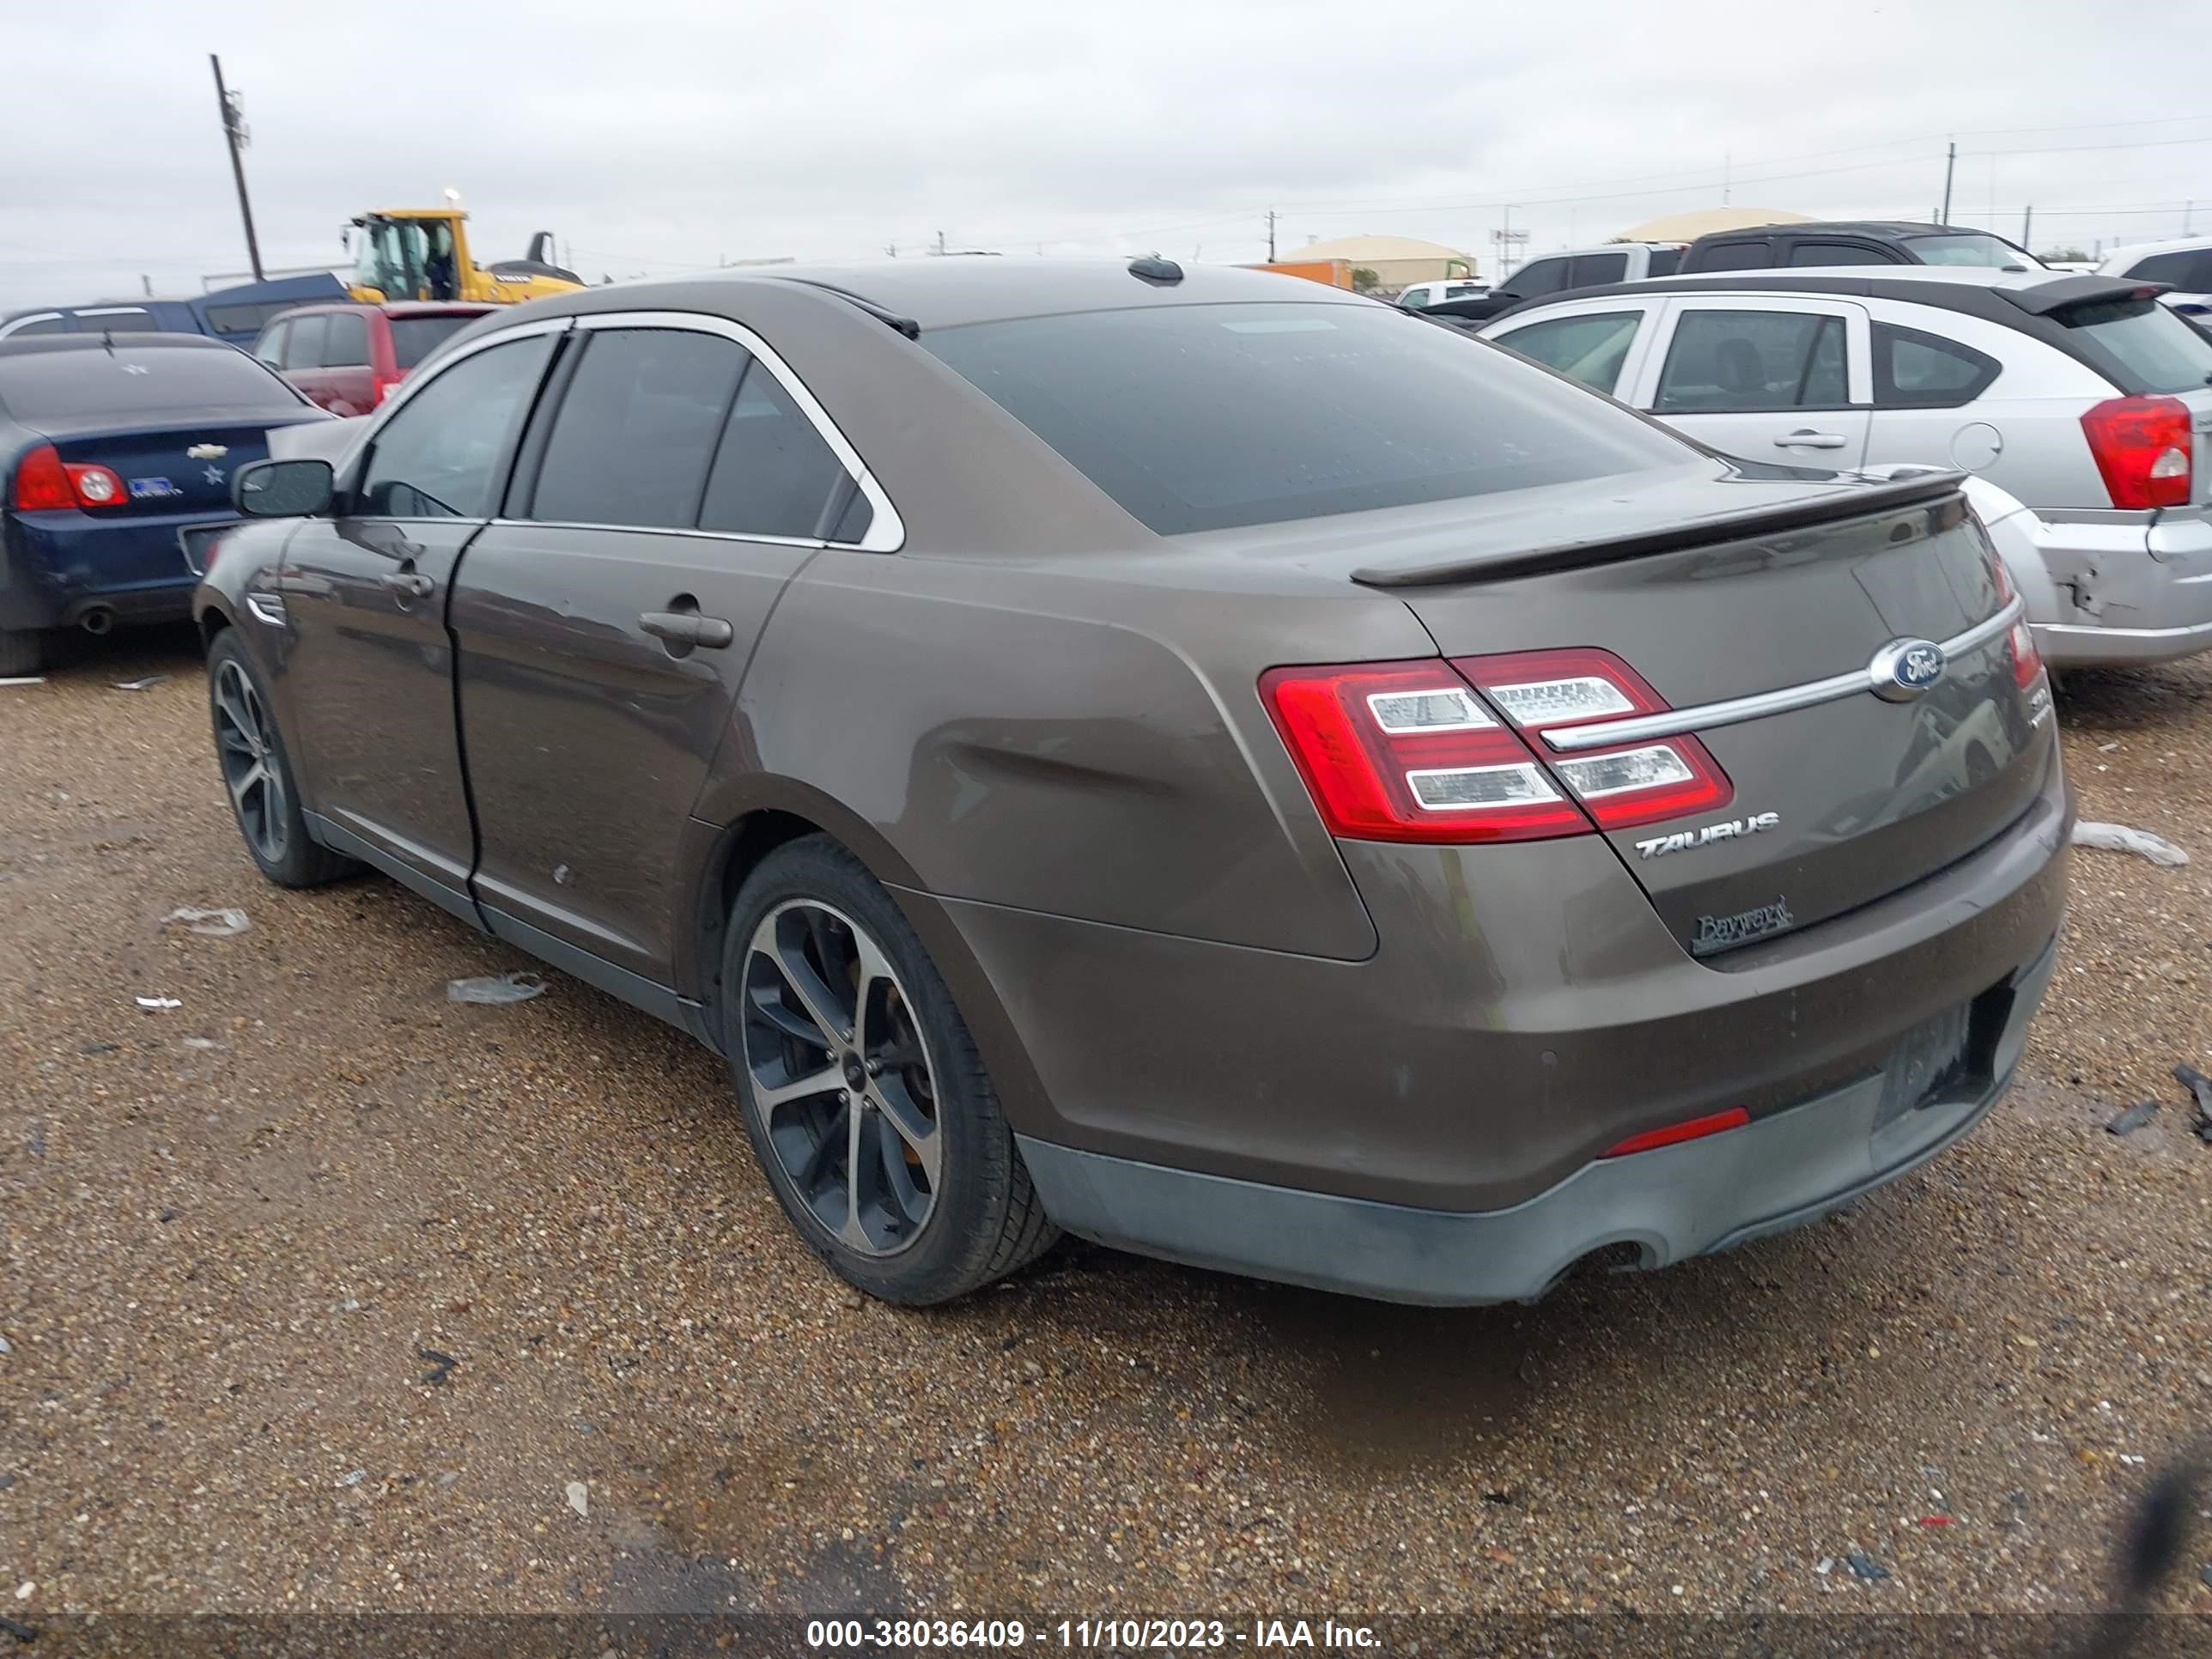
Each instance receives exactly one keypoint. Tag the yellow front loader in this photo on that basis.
(422, 253)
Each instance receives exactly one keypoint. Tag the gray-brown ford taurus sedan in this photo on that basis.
(1188, 758)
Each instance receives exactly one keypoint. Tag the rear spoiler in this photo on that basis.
(2047, 299)
(1865, 502)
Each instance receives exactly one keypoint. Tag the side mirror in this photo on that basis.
(283, 490)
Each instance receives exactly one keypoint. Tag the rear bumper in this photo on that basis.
(58, 565)
(2126, 592)
(1667, 1204)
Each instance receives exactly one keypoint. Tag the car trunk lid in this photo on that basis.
(1760, 624)
(173, 467)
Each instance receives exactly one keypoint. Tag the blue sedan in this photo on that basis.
(111, 447)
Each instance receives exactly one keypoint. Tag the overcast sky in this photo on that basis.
(652, 135)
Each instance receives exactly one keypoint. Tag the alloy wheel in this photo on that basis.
(840, 1078)
(246, 741)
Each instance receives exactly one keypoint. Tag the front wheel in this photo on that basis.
(863, 1093)
(257, 775)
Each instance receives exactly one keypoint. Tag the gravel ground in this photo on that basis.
(246, 1236)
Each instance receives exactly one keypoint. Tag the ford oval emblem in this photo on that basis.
(1906, 669)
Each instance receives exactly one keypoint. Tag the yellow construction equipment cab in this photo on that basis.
(422, 253)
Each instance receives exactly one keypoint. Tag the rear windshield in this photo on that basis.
(413, 337)
(1203, 418)
(2141, 344)
(68, 385)
(1665, 261)
(1967, 249)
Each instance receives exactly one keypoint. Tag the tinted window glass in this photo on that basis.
(148, 379)
(2141, 345)
(346, 344)
(44, 325)
(2163, 268)
(1590, 349)
(1417, 299)
(773, 474)
(1912, 370)
(412, 337)
(1757, 254)
(1968, 248)
(637, 428)
(1464, 291)
(129, 320)
(269, 349)
(1590, 269)
(1665, 262)
(1727, 361)
(1538, 276)
(853, 523)
(1198, 418)
(440, 454)
(243, 319)
(303, 346)
(1838, 253)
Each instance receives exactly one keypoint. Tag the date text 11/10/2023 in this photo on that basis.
(1259, 1636)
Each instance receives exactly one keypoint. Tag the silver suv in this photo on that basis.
(2078, 394)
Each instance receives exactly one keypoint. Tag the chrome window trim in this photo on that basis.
(659, 530)
(14, 324)
(1734, 711)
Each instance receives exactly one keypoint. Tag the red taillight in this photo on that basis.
(43, 480)
(385, 387)
(2144, 448)
(1694, 1129)
(2019, 644)
(1543, 691)
(1407, 751)
(1404, 751)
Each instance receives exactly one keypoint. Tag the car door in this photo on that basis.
(676, 479)
(348, 381)
(369, 667)
(1601, 342)
(1767, 379)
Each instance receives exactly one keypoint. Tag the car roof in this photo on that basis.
(1957, 287)
(1850, 227)
(125, 340)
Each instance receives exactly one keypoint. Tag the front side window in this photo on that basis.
(440, 454)
(271, 347)
(1740, 362)
(346, 343)
(1538, 276)
(1596, 270)
(1756, 254)
(773, 473)
(303, 346)
(1838, 253)
(637, 427)
(1206, 417)
(1913, 370)
(1589, 349)
(1665, 262)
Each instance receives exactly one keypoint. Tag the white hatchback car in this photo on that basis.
(2079, 395)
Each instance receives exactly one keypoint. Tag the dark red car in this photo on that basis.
(348, 357)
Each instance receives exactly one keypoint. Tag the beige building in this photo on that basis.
(1688, 227)
(1395, 260)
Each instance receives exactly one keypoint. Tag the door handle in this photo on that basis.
(1806, 438)
(412, 583)
(688, 628)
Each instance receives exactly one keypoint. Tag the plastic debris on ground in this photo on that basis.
(2132, 1119)
(27, 679)
(211, 924)
(1865, 1566)
(495, 989)
(2120, 838)
(140, 684)
(199, 1042)
(149, 1004)
(2200, 1086)
(579, 1498)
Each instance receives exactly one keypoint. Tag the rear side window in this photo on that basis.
(637, 427)
(131, 384)
(1203, 418)
(1839, 253)
(1738, 361)
(128, 320)
(1596, 270)
(1913, 370)
(1539, 277)
(2140, 344)
(774, 474)
(1589, 349)
(1757, 254)
(413, 338)
(303, 345)
(346, 343)
(440, 454)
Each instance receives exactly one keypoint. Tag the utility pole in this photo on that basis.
(1728, 175)
(2188, 212)
(233, 132)
(941, 244)
(1950, 161)
(1271, 236)
(2027, 219)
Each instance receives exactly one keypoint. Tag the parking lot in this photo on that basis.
(324, 1292)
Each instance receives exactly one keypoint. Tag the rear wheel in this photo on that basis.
(866, 1103)
(258, 777)
(21, 650)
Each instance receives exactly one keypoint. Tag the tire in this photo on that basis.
(265, 800)
(946, 1204)
(21, 651)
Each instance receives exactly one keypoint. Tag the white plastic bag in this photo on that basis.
(495, 989)
(2119, 838)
